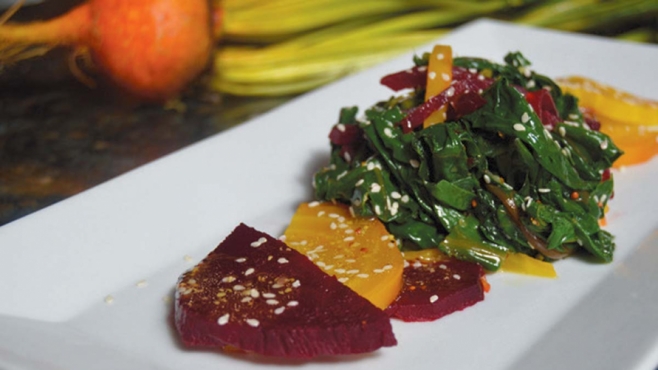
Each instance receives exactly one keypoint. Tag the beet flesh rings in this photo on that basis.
(255, 293)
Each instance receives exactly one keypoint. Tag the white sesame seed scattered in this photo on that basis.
(142, 284)
(387, 267)
(519, 127)
(544, 190)
(443, 267)
(580, 242)
(348, 239)
(352, 272)
(604, 144)
(249, 271)
(431, 75)
(252, 322)
(405, 198)
(246, 299)
(349, 231)
(562, 131)
(388, 132)
(188, 258)
(456, 277)
(450, 91)
(340, 127)
(296, 284)
(340, 271)
(259, 242)
(321, 213)
(166, 299)
(238, 287)
(395, 195)
(486, 178)
(434, 298)
(570, 123)
(333, 226)
(277, 286)
(375, 187)
(417, 264)
(405, 263)
(530, 84)
(358, 183)
(344, 173)
(272, 302)
(279, 311)
(341, 219)
(254, 293)
(109, 299)
(445, 76)
(440, 56)
(363, 276)
(414, 163)
(282, 260)
(240, 260)
(525, 117)
(350, 260)
(334, 215)
(268, 295)
(321, 264)
(228, 279)
(377, 271)
(339, 256)
(223, 320)
(385, 237)
(343, 279)
(293, 303)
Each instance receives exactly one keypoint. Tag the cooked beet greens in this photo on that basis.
(523, 173)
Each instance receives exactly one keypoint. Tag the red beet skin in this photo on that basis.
(433, 290)
(256, 294)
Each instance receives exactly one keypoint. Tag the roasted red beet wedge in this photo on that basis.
(435, 289)
(256, 294)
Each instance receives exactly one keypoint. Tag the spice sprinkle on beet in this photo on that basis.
(290, 309)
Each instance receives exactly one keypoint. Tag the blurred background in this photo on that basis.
(59, 137)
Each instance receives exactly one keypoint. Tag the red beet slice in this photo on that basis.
(258, 295)
(433, 290)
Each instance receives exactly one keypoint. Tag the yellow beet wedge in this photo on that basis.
(359, 252)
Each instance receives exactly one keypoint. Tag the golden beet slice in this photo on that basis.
(256, 294)
(358, 251)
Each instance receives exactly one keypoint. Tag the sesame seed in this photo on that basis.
(341, 219)
(259, 242)
(141, 284)
(340, 127)
(109, 299)
(252, 322)
(544, 190)
(321, 264)
(417, 264)
(440, 56)
(525, 117)
(240, 260)
(246, 299)
(166, 299)
(228, 279)
(487, 179)
(519, 127)
(434, 298)
(350, 260)
(377, 271)
(333, 226)
(348, 239)
(359, 183)
(530, 84)
(375, 188)
(188, 258)
(405, 198)
(385, 237)
(363, 276)
(456, 277)
(339, 256)
(268, 295)
(445, 77)
(604, 144)
(443, 267)
(387, 267)
(414, 163)
(343, 279)
(473, 70)
(395, 195)
(562, 131)
(279, 310)
(334, 215)
(282, 260)
(254, 293)
(405, 263)
(570, 123)
(349, 231)
(277, 286)
(321, 213)
(272, 302)
(352, 272)
(340, 271)
(450, 91)
(296, 284)
(238, 287)
(388, 132)
(293, 303)
(431, 75)
(223, 320)
(249, 271)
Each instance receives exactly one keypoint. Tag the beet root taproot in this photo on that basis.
(150, 48)
(434, 289)
(256, 294)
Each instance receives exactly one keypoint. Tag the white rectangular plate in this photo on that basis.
(59, 264)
